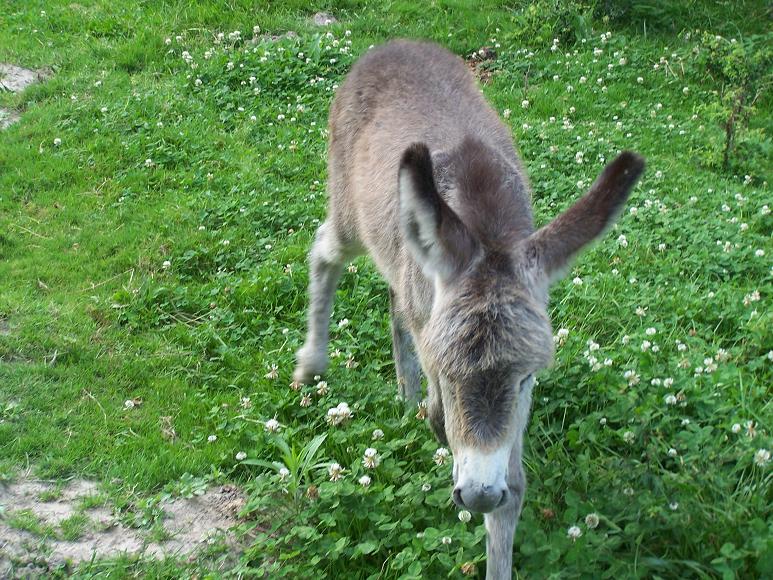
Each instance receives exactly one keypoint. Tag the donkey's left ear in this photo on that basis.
(436, 237)
(553, 246)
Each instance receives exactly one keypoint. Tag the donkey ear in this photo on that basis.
(437, 239)
(554, 245)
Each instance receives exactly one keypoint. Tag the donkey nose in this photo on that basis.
(479, 497)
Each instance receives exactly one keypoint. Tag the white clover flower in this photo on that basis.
(762, 457)
(272, 426)
(759, 253)
(364, 481)
(673, 506)
(626, 339)
(377, 434)
(305, 400)
(506, 113)
(573, 533)
(465, 516)
(284, 473)
(622, 240)
(645, 345)
(592, 520)
(371, 459)
(650, 331)
(241, 456)
(525, 104)
(273, 373)
(446, 540)
(57, 142)
(639, 80)
(441, 455)
(148, 163)
(335, 471)
(426, 487)
(577, 281)
(661, 247)
(672, 452)
(603, 421)
(629, 437)
(212, 438)
(641, 312)
(631, 377)
(670, 400)
(128, 404)
(339, 415)
(322, 388)
(166, 265)
(245, 403)
(343, 322)
(668, 382)
(736, 428)
(685, 422)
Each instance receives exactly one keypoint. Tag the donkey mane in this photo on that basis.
(493, 194)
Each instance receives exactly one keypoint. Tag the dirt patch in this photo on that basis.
(479, 62)
(8, 118)
(323, 19)
(15, 79)
(34, 515)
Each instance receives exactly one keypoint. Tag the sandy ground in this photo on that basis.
(191, 523)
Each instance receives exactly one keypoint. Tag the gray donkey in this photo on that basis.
(425, 178)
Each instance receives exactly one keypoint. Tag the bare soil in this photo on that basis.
(190, 523)
(15, 79)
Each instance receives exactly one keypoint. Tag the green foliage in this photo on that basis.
(742, 71)
(158, 253)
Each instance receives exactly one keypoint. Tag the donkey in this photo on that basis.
(425, 178)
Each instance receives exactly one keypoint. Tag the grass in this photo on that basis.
(154, 167)
(27, 521)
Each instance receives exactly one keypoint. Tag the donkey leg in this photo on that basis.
(501, 523)
(406, 361)
(326, 262)
(500, 526)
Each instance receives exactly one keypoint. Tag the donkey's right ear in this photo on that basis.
(437, 239)
(553, 246)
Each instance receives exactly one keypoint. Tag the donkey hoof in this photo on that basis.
(311, 362)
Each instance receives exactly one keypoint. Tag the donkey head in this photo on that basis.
(488, 332)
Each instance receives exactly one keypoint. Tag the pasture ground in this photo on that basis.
(159, 191)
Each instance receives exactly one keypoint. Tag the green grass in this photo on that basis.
(73, 527)
(27, 521)
(92, 318)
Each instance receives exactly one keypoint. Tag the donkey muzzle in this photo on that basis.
(478, 497)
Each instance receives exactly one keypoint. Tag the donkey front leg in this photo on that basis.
(326, 262)
(406, 361)
(501, 523)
